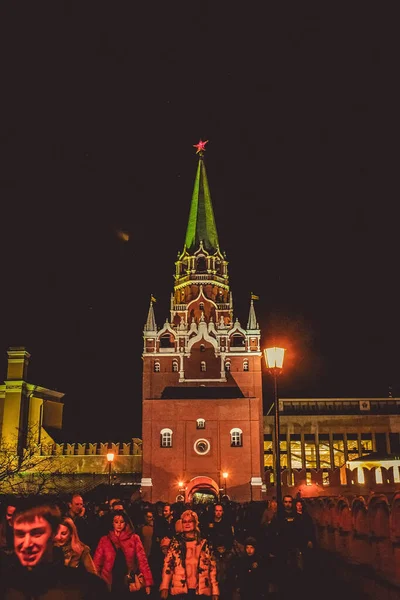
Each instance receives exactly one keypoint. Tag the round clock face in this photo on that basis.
(202, 446)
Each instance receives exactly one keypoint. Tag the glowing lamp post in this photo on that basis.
(110, 458)
(225, 476)
(274, 362)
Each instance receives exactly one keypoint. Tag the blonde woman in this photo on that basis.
(76, 553)
(189, 569)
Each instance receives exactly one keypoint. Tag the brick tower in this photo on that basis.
(202, 390)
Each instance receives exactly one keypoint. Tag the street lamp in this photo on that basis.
(110, 458)
(225, 476)
(274, 361)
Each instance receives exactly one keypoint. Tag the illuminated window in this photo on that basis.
(156, 367)
(245, 365)
(227, 366)
(166, 438)
(308, 478)
(175, 366)
(310, 451)
(338, 449)
(236, 437)
(325, 477)
(352, 446)
(324, 451)
(396, 474)
(203, 366)
(200, 424)
(295, 454)
(366, 443)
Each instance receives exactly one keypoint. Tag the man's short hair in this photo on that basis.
(28, 511)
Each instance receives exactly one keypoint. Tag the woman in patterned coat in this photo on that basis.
(189, 569)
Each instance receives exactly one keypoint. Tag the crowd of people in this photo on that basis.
(220, 551)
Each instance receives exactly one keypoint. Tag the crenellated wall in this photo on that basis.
(363, 530)
(91, 457)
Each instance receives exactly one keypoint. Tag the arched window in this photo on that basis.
(200, 424)
(156, 367)
(203, 366)
(175, 366)
(201, 306)
(166, 438)
(167, 341)
(236, 437)
(245, 365)
(228, 365)
(237, 340)
(202, 348)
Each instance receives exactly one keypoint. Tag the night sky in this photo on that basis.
(101, 105)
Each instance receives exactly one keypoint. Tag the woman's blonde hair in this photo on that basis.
(75, 543)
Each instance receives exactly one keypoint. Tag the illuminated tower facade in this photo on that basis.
(202, 390)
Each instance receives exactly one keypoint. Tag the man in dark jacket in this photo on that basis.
(37, 573)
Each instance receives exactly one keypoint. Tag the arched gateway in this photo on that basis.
(201, 489)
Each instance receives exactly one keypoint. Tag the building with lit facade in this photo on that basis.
(331, 446)
(202, 379)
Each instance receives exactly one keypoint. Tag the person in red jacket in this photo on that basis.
(121, 552)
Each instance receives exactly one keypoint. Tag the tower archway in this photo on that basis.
(202, 489)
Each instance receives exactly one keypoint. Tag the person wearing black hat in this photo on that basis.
(225, 559)
(252, 573)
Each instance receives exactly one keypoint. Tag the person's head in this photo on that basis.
(167, 511)
(164, 545)
(299, 507)
(67, 535)
(287, 503)
(117, 505)
(76, 505)
(250, 546)
(273, 505)
(218, 512)
(34, 530)
(148, 518)
(190, 523)
(120, 521)
(10, 510)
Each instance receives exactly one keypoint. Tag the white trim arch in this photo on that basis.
(166, 437)
(236, 437)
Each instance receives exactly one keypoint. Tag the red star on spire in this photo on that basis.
(201, 146)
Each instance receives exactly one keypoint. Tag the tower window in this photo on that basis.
(237, 341)
(175, 366)
(166, 438)
(236, 437)
(200, 424)
(201, 306)
(203, 366)
(245, 365)
(202, 348)
(156, 367)
(167, 341)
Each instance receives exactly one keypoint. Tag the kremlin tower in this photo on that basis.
(202, 390)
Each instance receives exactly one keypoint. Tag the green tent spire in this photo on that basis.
(201, 226)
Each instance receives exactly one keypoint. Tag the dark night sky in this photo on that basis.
(101, 104)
